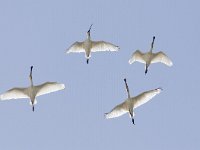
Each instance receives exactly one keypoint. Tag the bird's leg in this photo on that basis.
(127, 89)
(32, 103)
(146, 69)
(131, 114)
(87, 55)
(133, 121)
(33, 108)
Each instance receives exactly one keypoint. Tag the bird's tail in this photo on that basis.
(34, 103)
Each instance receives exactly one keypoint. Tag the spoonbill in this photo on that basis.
(150, 57)
(131, 103)
(89, 46)
(32, 91)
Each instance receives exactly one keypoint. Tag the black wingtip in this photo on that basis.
(87, 61)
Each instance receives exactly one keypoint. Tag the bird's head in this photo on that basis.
(31, 68)
(88, 32)
(31, 72)
(152, 42)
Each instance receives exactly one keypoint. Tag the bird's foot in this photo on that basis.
(133, 121)
(146, 71)
(33, 109)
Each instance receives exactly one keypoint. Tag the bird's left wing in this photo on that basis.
(98, 46)
(77, 47)
(14, 93)
(48, 87)
(145, 97)
(161, 57)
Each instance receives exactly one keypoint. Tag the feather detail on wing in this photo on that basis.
(98, 46)
(137, 56)
(77, 47)
(117, 111)
(14, 93)
(48, 87)
(161, 57)
(145, 97)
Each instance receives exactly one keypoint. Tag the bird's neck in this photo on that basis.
(151, 50)
(31, 81)
(88, 36)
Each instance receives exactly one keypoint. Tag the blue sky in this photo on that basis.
(37, 33)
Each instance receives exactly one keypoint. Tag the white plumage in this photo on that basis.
(48, 87)
(32, 92)
(150, 57)
(15, 93)
(89, 46)
(117, 111)
(131, 103)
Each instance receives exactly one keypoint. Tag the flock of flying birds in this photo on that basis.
(87, 47)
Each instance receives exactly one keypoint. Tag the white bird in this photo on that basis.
(150, 57)
(89, 46)
(131, 103)
(32, 91)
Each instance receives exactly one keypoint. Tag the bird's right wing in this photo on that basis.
(145, 97)
(161, 57)
(117, 111)
(98, 46)
(77, 47)
(14, 93)
(48, 87)
(137, 56)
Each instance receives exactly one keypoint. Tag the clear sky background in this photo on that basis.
(35, 32)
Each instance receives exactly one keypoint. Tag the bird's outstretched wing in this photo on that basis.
(161, 57)
(117, 111)
(48, 87)
(137, 56)
(98, 46)
(77, 47)
(145, 97)
(14, 93)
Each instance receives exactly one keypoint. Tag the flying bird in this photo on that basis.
(32, 91)
(131, 103)
(150, 57)
(89, 46)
